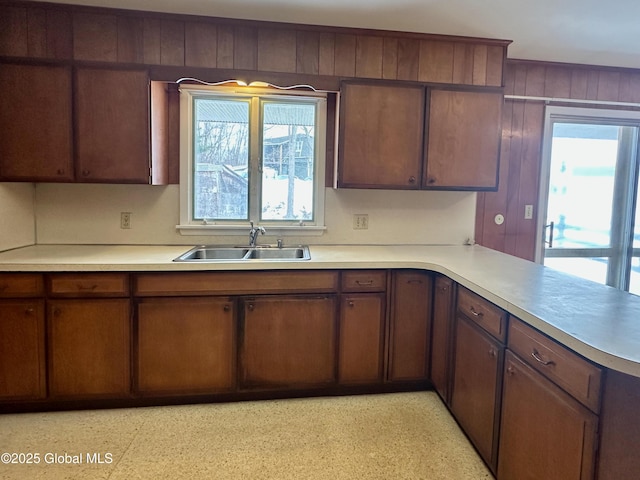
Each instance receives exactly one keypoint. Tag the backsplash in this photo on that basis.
(17, 215)
(90, 214)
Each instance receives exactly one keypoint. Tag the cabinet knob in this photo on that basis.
(60, 171)
(492, 353)
(86, 173)
(251, 307)
(474, 313)
(412, 179)
(511, 370)
(227, 307)
(363, 283)
(29, 310)
(351, 304)
(431, 180)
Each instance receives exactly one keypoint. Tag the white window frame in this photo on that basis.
(190, 226)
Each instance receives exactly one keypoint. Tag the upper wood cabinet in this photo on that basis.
(381, 136)
(463, 140)
(407, 136)
(97, 125)
(35, 123)
(112, 125)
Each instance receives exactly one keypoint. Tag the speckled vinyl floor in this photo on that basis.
(390, 436)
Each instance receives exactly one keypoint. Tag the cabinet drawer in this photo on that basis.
(21, 285)
(364, 281)
(575, 375)
(235, 283)
(89, 285)
(488, 316)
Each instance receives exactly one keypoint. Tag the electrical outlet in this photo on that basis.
(361, 221)
(125, 219)
(528, 212)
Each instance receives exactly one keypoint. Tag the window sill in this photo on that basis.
(275, 230)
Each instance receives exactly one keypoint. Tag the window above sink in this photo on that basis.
(251, 155)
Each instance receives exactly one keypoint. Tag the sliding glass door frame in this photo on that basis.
(621, 248)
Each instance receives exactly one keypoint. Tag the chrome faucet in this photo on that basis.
(253, 234)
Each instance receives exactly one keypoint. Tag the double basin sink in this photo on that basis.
(216, 253)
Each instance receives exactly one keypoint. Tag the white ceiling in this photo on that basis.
(594, 32)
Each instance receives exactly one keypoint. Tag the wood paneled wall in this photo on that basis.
(64, 32)
(522, 131)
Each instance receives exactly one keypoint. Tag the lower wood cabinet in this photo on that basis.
(22, 349)
(288, 341)
(185, 345)
(441, 335)
(619, 428)
(475, 395)
(361, 345)
(545, 433)
(478, 353)
(410, 326)
(89, 347)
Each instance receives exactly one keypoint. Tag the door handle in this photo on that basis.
(550, 242)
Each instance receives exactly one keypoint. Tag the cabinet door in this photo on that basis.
(410, 326)
(381, 136)
(463, 140)
(361, 338)
(112, 125)
(185, 345)
(476, 385)
(22, 362)
(288, 341)
(89, 347)
(441, 335)
(545, 433)
(35, 123)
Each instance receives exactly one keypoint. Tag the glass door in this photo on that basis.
(590, 225)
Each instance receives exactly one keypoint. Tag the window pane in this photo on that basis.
(590, 268)
(288, 156)
(634, 276)
(221, 159)
(583, 164)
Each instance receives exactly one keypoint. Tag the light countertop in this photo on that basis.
(599, 322)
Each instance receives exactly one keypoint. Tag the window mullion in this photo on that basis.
(255, 149)
(622, 208)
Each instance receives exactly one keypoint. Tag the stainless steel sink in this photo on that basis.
(283, 253)
(216, 253)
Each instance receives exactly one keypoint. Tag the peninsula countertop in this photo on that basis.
(596, 321)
